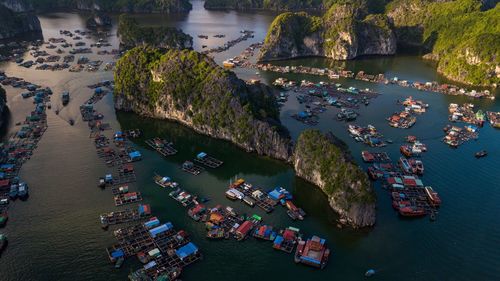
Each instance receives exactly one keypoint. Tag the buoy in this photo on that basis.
(370, 272)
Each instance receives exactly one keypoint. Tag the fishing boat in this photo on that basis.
(405, 165)
(3, 242)
(102, 182)
(369, 273)
(119, 263)
(412, 211)
(65, 98)
(3, 218)
(71, 122)
(406, 150)
(312, 252)
(13, 191)
(228, 63)
(417, 166)
(22, 190)
(433, 196)
(480, 154)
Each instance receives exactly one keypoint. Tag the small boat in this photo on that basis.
(71, 122)
(228, 63)
(102, 182)
(433, 196)
(65, 98)
(13, 191)
(22, 190)
(370, 272)
(3, 242)
(481, 154)
(119, 263)
(57, 111)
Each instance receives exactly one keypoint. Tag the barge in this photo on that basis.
(206, 160)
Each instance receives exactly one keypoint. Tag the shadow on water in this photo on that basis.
(188, 142)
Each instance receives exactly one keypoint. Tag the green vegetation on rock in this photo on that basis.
(189, 87)
(325, 161)
(343, 32)
(460, 35)
(132, 34)
(339, 177)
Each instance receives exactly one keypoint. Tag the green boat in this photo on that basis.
(3, 242)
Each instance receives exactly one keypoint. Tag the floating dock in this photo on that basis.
(207, 160)
(125, 216)
(162, 146)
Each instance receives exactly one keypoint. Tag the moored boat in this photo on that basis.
(22, 190)
(3, 242)
(433, 196)
(480, 154)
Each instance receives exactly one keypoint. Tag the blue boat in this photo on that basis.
(23, 190)
(13, 191)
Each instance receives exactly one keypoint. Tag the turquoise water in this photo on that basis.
(56, 235)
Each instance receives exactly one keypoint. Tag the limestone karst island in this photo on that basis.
(221, 140)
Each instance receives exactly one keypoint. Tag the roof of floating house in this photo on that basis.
(160, 229)
(186, 251)
(134, 154)
(201, 155)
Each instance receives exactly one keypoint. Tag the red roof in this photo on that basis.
(244, 228)
(288, 234)
(4, 183)
(409, 182)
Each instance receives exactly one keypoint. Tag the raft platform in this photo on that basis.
(161, 146)
(124, 216)
(208, 161)
(191, 168)
(127, 198)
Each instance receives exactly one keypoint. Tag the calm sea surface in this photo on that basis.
(56, 235)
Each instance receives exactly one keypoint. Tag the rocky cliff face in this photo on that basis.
(342, 33)
(16, 24)
(192, 89)
(462, 36)
(322, 162)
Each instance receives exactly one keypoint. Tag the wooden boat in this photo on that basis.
(480, 154)
(433, 196)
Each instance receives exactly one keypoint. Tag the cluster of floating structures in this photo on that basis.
(368, 135)
(162, 250)
(494, 118)
(20, 146)
(456, 136)
(406, 119)
(410, 197)
(225, 223)
(43, 60)
(318, 96)
(245, 35)
(253, 196)
(433, 86)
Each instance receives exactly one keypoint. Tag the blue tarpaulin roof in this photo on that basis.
(186, 250)
(201, 155)
(160, 229)
(134, 154)
(275, 195)
(278, 240)
(7, 166)
(117, 254)
(152, 223)
(302, 114)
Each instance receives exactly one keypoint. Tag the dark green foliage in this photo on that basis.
(132, 34)
(194, 84)
(450, 30)
(340, 175)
